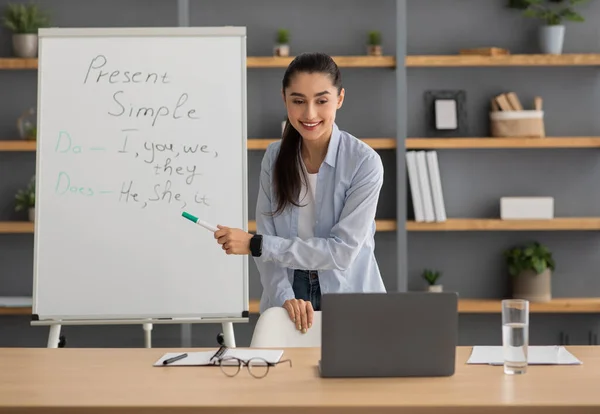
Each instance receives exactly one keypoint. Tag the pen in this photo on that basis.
(177, 358)
(199, 222)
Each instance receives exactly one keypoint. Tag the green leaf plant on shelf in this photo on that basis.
(552, 13)
(24, 20)
(374, 47)
(531, 267)
(282, 48)
(25, 199)
(431, 276)
(26, 125)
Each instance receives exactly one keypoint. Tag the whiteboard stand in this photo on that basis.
(165, 127)
(54, 338)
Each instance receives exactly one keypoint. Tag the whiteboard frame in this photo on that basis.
(233, 31)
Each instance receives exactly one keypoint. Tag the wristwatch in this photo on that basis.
(256, 245)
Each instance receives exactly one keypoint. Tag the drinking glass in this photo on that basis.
(515, 335)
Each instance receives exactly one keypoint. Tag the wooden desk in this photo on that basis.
(83, 380)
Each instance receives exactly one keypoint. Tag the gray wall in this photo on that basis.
(339, 28)
(376, 106)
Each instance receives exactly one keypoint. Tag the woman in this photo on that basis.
(315, 214)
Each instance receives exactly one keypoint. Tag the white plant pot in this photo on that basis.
(281, 50)
(32, 214)
(551, 39)
(435, 288)
(25, 45)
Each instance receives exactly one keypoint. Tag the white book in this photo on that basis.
(436, 185)
(415, 188)
(425, 186)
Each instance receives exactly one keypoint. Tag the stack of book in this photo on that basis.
(426, 186)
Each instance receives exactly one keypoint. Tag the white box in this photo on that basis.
(521, 208)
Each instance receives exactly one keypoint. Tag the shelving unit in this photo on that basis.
(563, 305)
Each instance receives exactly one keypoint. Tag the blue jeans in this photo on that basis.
(306, 286)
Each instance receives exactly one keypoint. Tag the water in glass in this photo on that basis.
(515, 342)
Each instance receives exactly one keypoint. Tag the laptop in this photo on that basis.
(396, 334)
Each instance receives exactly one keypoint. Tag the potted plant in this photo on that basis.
(282, 48)
(531, 269)
(551, 13)
(431, 276)
(25, 199)
(26, 125)
(374, 44)
(24, 21)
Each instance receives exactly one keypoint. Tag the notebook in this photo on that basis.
(206, 358)
(537, 355)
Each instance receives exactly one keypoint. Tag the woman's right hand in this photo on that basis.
(301, 313)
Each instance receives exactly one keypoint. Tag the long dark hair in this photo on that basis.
(286, 177)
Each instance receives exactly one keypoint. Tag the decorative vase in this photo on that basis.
(31, 213)
(435, 288)
(533, 287)
(281, 50)
(25, 45)
(551, 39)
(374, 50)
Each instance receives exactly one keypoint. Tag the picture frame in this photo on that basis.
(460, 97)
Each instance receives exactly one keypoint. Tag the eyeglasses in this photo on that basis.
(257, 367)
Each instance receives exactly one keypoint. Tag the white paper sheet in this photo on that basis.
(537, 355)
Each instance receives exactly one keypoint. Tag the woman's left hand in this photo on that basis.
(233, 241)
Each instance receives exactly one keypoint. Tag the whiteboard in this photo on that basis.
(136, 126)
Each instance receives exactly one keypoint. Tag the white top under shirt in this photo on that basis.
(307, 217)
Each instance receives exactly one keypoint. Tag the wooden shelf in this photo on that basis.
(16, 227)
(360, 61)
(411, 143)
(375, 143)
(559, 305)
(466, 143)
(15, 310)
(583, 59)
(357, 61)
(17, 145)
(459, 224)
(18, 63)
(465, 224)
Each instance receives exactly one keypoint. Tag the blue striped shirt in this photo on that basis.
(342, 249)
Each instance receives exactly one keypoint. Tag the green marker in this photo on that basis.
(199, 222)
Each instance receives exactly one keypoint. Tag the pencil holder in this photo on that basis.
(528, 123)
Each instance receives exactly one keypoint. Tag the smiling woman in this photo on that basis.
(318, 194)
